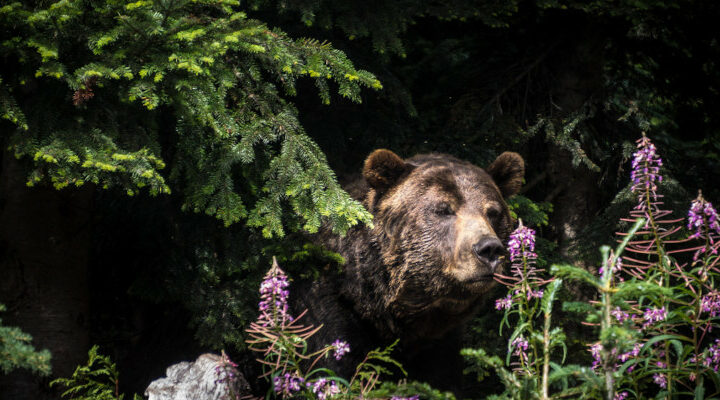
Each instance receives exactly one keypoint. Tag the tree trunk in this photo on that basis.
(579, 76)
(576, 203)
(44, 248)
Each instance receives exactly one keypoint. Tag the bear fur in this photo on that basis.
(419, 272)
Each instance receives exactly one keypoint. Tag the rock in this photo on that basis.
(210, 377)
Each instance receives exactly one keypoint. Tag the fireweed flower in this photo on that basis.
(538, 294)
(415, 397)
(645, 173)
(522, 243)
(287, 384)
(523, 277)
(624, 357)
(653, 315)
(341, 348)
(710, 303)
(504, 304)
(711, 356)
(660, 380)
(225, 370)
(700, 213)
(615, 268)
(703, 221)
(273, 298)
(620, 315)
(521, 345)
(324, 388)
(620, 396)
(632, 353)
(595, 351)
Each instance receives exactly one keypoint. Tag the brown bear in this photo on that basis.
(418, 273)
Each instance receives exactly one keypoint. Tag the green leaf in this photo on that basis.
(574, 273)
(549, 296)
(699, 389)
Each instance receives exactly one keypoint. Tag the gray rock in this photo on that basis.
(210, 377)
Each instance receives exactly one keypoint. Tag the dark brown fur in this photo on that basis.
(414, 275)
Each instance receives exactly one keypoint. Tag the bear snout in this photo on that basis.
(489, 250)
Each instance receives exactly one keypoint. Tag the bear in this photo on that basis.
(419, 272)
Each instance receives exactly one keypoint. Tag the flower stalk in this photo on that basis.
(282, 342)
(656, 304)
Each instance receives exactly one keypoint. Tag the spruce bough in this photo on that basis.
(110, 92)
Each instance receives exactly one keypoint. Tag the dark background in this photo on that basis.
(568, 85)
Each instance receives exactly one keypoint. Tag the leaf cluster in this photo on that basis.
(97, 380)
(16, 351)
(110, 92)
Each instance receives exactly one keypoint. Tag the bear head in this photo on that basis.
(440, 225)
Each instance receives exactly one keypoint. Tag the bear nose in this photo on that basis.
(488, 250)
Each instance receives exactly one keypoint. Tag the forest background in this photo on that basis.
(157, 154)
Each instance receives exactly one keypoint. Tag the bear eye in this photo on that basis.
(493, 214)
(444, 209)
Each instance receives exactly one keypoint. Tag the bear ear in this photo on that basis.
(507, 171)
(383, 168)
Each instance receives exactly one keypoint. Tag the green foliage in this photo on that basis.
(568, 133)
(196, 85)
(223, 280)
(592, 384)
(17, 352)
(222, 273)
(408, 389)
(97, 380)
(532, 213)
(528, 310)
(374, 365)
(292, 367)
(463, 88)
(385, 25)
(537, 369)
(656, 305)
(309, 255)
(481, 363)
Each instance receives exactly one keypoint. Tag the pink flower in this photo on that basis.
(521, 345)
(703, 220)
(521, 246)
(273, 298)
(712, 356)
(522, 243)
(615, 268)
(700, 213)
(341, 348)
(619, 314)
(538, 294)
(287, 384)
(620, 396)
(595, 351)
(631, 354)
(504, 303)
(645, 167)
(324, 388)
(653, 315)
(710, 303)
(660, 380)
